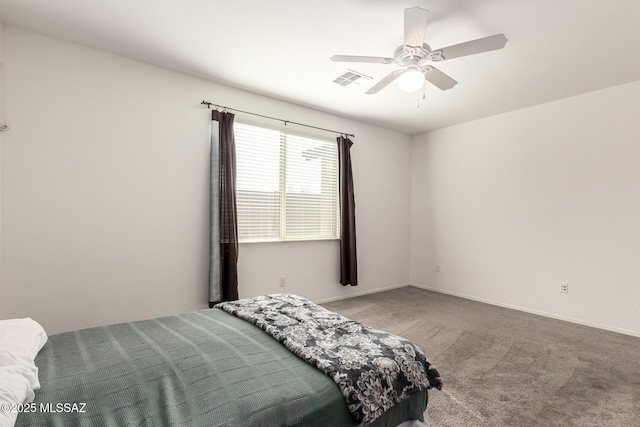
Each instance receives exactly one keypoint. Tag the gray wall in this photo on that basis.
(105, 192)
(513, 205)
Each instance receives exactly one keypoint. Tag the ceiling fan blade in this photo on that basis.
(438, 78)
(472, 47)
(415, 26)
(371, 59)
(384, 82)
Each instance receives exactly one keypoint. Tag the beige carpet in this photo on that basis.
(504, 367)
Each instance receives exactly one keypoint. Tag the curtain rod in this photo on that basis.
(209, 105)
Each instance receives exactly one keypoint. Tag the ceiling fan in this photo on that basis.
(415, 55)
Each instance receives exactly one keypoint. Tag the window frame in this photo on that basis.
(284, 130)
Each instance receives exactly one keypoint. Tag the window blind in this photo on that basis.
(287, 185)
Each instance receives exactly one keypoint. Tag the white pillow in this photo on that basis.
(20, 342)
(17, 382)
(22, 337)
(23, 366)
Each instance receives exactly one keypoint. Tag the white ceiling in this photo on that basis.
(281, 48)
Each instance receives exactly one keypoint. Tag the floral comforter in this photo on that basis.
(374, 369)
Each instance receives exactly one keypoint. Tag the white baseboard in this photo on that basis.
(372, 291)
(528, 310)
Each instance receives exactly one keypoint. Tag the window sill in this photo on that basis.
(242, 242)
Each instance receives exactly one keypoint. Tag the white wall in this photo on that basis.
(104, 186)
(1, 121)
(512, 205)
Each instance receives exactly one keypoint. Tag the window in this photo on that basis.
(287, 185)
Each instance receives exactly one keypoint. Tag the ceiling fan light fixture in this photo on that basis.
(411, 80)
(414, 54)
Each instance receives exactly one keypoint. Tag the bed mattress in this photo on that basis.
(206, 368)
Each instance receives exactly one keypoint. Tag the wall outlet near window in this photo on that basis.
(437, 268)
(564, 288)
(283, 281)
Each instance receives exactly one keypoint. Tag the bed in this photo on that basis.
(206, 368)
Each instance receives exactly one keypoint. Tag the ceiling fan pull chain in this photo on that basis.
(423, 95)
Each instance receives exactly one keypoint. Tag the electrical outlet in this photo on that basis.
(564, 288)
(437, 268)
(283, 281)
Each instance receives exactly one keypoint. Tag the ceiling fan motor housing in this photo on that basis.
(404, 55)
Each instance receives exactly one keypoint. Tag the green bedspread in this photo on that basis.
(206, 368)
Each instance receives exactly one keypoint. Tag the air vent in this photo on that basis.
(351, 79)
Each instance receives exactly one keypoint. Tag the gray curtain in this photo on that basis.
(348, 255)
(223, 266)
